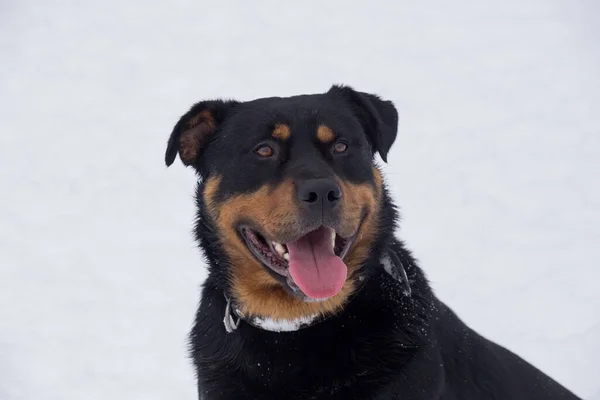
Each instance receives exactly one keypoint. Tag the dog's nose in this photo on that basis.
(322, 192)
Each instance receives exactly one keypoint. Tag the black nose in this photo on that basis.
(321, 192)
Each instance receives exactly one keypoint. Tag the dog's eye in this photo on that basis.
(340, 147)
(264, 151)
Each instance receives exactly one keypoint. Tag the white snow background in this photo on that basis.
(496, 168)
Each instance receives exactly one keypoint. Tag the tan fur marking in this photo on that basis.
(272, 209)
(356, 200)
(281, 131)
(325, 134)
(210, 189)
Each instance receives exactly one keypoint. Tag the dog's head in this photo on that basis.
(290, 194)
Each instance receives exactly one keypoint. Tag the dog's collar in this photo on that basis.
(390, 262)
(267, 324)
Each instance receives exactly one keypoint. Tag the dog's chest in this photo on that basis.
(304, 365)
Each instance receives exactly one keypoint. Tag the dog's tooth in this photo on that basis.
(332, 238)
(279, 248)
(286, 256)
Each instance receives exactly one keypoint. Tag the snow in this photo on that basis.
(387, 266)
(496, 169)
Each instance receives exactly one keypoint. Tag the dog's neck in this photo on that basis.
(233, 317)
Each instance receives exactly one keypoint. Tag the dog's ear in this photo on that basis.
(191, 133)
(379, 118)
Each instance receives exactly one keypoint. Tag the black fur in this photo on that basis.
(384, 344)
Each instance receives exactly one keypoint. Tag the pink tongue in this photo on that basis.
(314, 266)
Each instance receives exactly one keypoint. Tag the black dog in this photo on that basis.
(309, 294)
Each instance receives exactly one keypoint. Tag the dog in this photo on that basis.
(309, 294)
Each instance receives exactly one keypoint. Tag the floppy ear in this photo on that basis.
(379, 118)
(191, 134)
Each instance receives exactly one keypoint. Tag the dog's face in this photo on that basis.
(291, 191)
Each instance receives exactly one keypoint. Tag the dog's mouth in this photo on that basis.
(311, 265)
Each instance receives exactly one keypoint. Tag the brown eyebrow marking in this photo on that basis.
(281, 131)
(325, 134)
